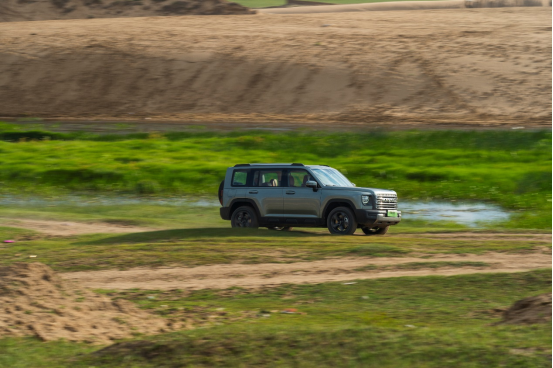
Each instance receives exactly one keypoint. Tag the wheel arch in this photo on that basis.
(334, 203)
(238, 202)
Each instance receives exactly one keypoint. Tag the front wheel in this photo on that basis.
(375, 230)
(244, 217)
(280, 228)
(341, 221)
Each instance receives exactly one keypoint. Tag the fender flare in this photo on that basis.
(250, 202)
(349, 202)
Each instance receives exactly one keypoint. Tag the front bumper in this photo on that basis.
(371, 218)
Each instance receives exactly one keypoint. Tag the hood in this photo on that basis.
(374, 191)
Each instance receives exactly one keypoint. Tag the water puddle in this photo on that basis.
(466, 213)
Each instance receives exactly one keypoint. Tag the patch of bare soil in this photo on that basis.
(36, 301)
(403, 5)
(546, 238)
(67, 228)
(25, 10)
(273, 274)
(535, 309)
(473, 67)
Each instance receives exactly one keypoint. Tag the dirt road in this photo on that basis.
(66, 228)
(473, 66)
(267, 275)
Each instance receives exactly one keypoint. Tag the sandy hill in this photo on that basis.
(34, 300)
(25, 10)
(475, 65)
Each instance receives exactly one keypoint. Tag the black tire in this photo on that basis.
(341, 221)
(280, 228)
(244, 216)
(220, 192)
(375, 230)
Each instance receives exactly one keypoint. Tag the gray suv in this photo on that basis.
(282, 196)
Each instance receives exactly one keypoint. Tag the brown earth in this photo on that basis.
(36, 301)
(26, 10)
(275, 274)
(67, 228)
(535, 309)
(479, 67)
(402, 5)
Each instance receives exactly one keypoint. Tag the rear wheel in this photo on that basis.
(280, 228)
(375, 230)
(341, 221)
(244, 217)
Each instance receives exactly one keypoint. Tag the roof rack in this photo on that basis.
(276, 164)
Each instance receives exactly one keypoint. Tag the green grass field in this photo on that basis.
(508, 168)
(401, 322)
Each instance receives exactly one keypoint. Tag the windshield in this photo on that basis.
(332, 177)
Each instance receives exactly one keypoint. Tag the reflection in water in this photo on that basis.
(466, 213)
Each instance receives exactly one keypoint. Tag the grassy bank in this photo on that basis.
(509, 168)
(402, 322)
(196, 247)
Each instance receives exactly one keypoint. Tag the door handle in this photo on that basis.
(290, 192)
(253, 191)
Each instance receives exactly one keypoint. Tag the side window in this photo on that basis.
(239, 178)
(267, 178)
(298, 178)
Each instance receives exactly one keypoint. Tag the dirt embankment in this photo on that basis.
(479, 66)
(535, 309)
(36, 301)
(25, 10)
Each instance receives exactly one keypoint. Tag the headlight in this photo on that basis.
(365, 199)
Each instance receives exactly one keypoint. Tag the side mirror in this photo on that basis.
(311, 184)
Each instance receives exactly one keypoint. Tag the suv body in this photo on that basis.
(282, 196)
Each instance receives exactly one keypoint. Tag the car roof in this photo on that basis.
(277, 165)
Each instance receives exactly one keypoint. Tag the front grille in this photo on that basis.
(386, 201)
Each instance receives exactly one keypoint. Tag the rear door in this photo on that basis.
(300, 201)
(266, 191)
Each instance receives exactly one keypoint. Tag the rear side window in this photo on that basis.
(239, 178)
(268, 178)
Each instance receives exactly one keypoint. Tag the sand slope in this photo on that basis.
(34, 300)
(481, 65)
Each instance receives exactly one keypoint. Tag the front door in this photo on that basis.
(300, 201)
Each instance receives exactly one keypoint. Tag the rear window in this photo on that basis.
(239, 178)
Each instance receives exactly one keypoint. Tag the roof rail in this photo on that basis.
(238, 165)
(296, 164)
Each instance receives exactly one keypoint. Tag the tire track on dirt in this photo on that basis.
(276, 274)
